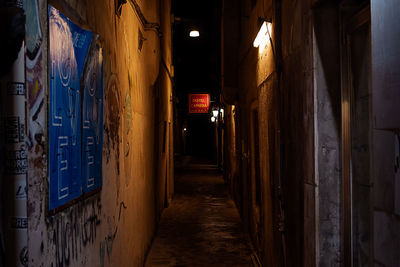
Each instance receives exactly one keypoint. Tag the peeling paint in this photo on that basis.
(37, 166)
(34, 71)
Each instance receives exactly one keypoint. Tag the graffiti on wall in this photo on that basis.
(112, 118)
(128, 107)
(34, 75)
(128, 119)
(36, 118)
(107, 244)
(71, 232)
(68, 236)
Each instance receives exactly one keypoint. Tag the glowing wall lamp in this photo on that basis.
(194, 33)
(263, 35)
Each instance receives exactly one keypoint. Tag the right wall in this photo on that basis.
(312, 129)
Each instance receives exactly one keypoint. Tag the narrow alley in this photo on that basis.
(201, 227)
(261, 133)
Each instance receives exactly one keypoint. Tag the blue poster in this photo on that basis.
(69, 48)
(92, 119)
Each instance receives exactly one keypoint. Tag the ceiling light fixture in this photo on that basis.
(194, 34)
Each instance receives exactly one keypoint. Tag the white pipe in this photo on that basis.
(15, 222)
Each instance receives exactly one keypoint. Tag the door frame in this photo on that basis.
(349, 23)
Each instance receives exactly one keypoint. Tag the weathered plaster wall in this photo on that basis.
(252, 80)
(327, 106)
(297, 119)
(307, 102)
(255, 81)
(258, 82)
(386, 143)
(269, 162)
(386, 198)
(230, 150)
(113, 227)
(164, 117)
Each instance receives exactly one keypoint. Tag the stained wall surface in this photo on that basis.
(250, 93)
(295, 95)
(288, 124)
(114, 227)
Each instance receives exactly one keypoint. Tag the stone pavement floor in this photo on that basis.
(201, 227)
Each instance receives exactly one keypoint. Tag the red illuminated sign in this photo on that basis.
(199, 103)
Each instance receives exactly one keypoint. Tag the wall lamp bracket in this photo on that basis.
(261, 20)
(118, 7)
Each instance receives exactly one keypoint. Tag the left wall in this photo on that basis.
(114, 227)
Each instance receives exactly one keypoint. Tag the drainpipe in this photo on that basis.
(14, 230)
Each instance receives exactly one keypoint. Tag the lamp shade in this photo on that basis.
(261, 38)
(194, 33)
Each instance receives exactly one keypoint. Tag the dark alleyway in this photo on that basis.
(202, 226)
(108, 109)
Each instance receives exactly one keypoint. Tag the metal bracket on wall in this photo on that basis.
(141, 40)
(118, 7)
(145, 23)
